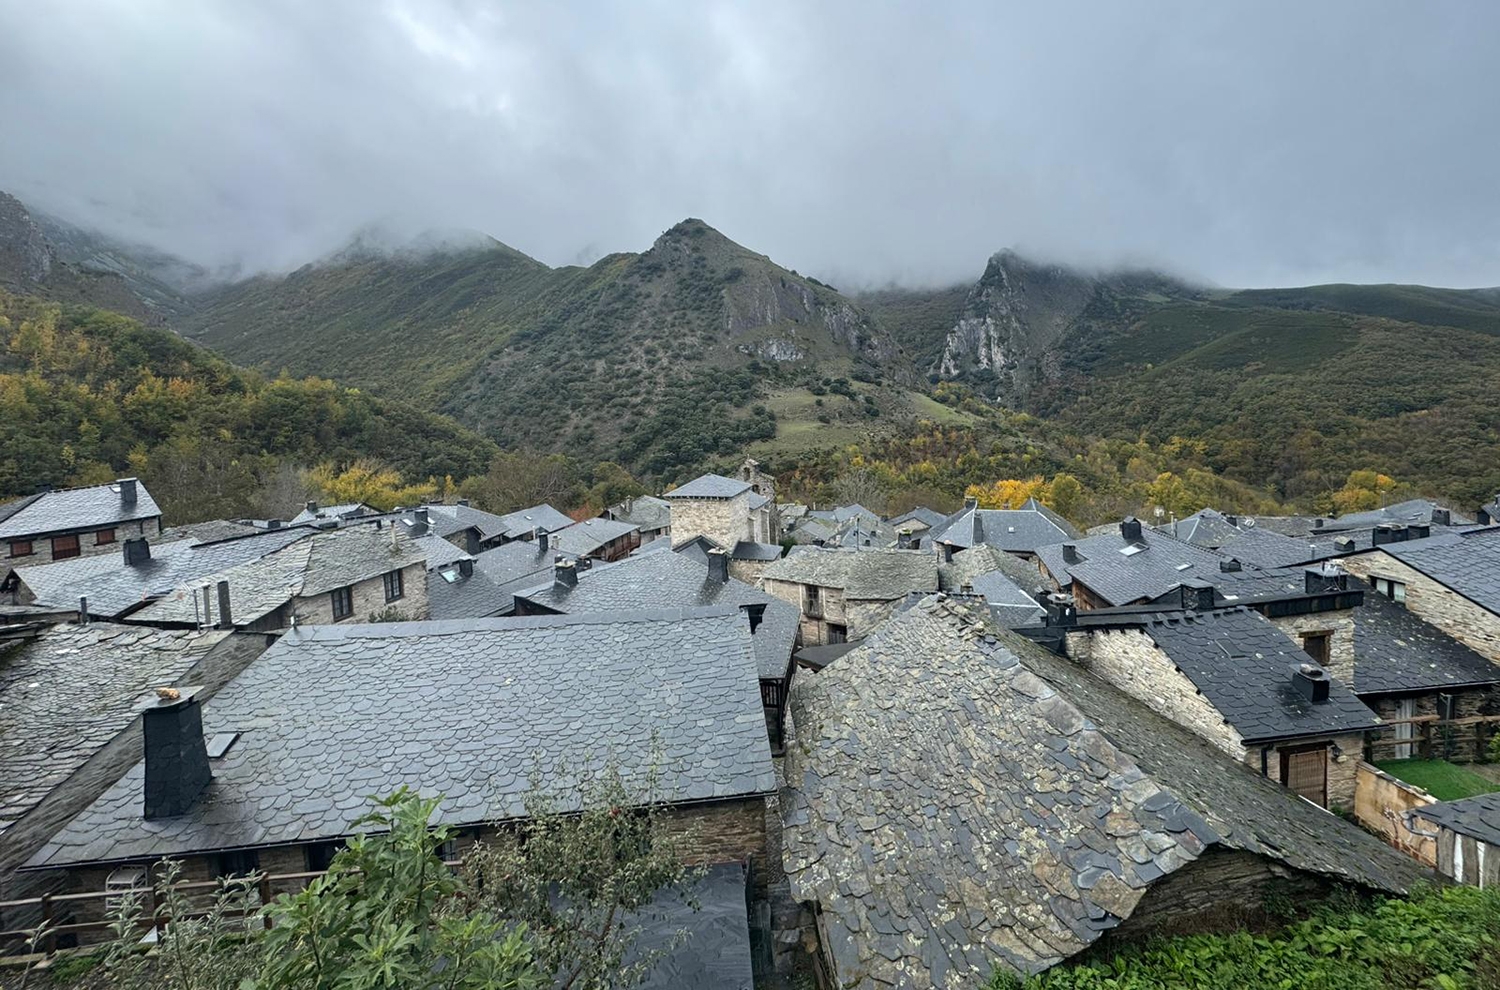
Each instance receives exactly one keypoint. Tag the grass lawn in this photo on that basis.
(1441, 779)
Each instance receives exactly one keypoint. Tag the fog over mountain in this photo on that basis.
(1245, 143)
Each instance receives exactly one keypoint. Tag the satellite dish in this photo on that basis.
(1249, 523)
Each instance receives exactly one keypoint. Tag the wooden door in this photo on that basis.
(1406, 708)
(1305, 770)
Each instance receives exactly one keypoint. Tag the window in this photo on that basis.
(64, 547)
(240, 863)
(1316, 645)
(320, 855)
(21, 548)
(393, 589)
(1394, 590)
(814, 602)
(837, 634)
(448, 850)
(103, 536)
(343, 603)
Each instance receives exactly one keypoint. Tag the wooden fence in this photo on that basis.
(1462, 740)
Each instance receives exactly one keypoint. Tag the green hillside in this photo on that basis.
(655, 359)
(1468, 309)
(87, 394)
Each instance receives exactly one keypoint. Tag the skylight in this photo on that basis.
(1132, 549)
(1183, 567)
(219, 744)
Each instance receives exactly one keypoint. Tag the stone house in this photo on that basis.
(280, 764)
(73, 693)
(485, 585)
(1127, 566)
(76, 522)
(747, 560)
(668, 579)
(1468, 838)
(1019, 531)
(1236, 680)
(845, 593)
(959, 800)
(597, 539)
(650, 515)
(726, 510)
(313, 514)
(1451, 581)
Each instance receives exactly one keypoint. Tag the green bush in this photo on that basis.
(1440, 939)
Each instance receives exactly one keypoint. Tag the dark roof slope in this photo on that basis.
(750, 550)
(468, 709)
(921, 515)
(1121, 571)
(866, 574)
(646, 511)
(1395, 651)
(584, 538)
(1205, 528)
(73, 508)
(1477, 816)
(1241, 663)
(709, 486)
(984, 570)
(523, 521)
(1024, 529)
(672, 580)
(1468, 563)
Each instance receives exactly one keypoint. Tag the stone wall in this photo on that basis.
(1381, 803)
(1343, 762)
(1476, 627)
(369, 598)
(748, 571)
(812, 630)
(1340, 646)
(722, 832)
(88, 544)
(1132, 662)
(725, 521)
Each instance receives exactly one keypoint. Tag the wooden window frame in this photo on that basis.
(345, 595)
(104, 537)
(1389, 591)
(1285, 753)
(28, 552)
(60, 554)
(1325, 636)
(393, 580)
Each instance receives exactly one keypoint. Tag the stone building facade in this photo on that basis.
(368, 598)
(86, 543)
(1337, 626)
(1466, 621)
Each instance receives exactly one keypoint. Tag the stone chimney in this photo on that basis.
(226, 617)
(311, 507)
(1325, 580)
(465, 567)
(1070, 553)
(175, 755)
(755, 612)
(1227, 566)
(718, 566)
(1442, 517)
(564, 574)
(127, 488)
(541, 540)
(1061, 609)
(1130, 528)
(1418, 531)
(1311, 681)
(1387, 533)
(136, 551)
(1197, 596)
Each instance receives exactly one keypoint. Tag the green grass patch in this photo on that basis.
(1443, 780)
(926, 407)
(1446, 940)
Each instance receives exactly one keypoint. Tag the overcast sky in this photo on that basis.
(1253, 143)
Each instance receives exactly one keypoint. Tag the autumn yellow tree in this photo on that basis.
(1362, 491)
(1007, 493)
(371, 482)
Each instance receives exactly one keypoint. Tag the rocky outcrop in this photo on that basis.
(25, 257)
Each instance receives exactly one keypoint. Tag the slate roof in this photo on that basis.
(709, 486)
(983, 570)
(1468, 563)
(468, 709)
(863, 574)
(1242, 664)
(813, 530)
(1120, 578)
(713, 914)
(450, 595)
(950, 810)
(523, 521)
(437, 551)
(1017, 530)
(863, 531)
(921, 515)
(112, 588)
(340, 511)
(671, 580)
(750, 550)
(646, 511)
(1204, 528)
(1416, 510)
(73, 508)
(1395, 651)
(66, 694)
(584, 538)
(205, 532)
(1263, 548)
(1477, 816)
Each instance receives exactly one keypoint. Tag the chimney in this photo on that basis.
(1070, 553)
(136, 550)
(1418, 531)
(564, 574)
(1311, 681)
(424, 518)
(465, 567)
(175, 756)
(1482, 516)
(1230, 565)
(1386, 533)
(273, 524)
(83, 611)
(1130, 528)
(1442, 517)
(1061, 610)
(226, 618)
(471, 540)
(718, 566)
(541, 540)
(947, 551)
(584, 563)
(1197, 596)
(1318, 523)
(311, 507)
(1324, 580)
(127, 491)
(966, 588)
(1232, 520)
(755, 611)
(1344, 544)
